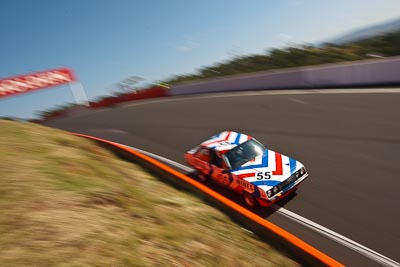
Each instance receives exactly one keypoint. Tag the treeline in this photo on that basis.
(385, 45)
(55, 111)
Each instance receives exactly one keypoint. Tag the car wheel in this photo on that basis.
(201, 177)
(250, 200)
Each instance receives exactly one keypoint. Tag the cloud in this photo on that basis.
(187, 46)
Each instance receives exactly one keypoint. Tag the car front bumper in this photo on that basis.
(283, 193)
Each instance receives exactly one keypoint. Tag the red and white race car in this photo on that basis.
(243, 164)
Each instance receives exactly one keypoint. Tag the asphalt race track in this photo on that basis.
(349, 142)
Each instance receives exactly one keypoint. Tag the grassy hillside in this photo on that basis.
(64, 201)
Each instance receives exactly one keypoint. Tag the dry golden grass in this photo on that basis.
(64, 201)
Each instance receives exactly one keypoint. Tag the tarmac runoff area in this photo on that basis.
(348, 140)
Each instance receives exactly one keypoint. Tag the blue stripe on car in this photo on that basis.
(236, 142)
(266, 182)
(293, 164)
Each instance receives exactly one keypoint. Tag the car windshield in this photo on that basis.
(244, 153)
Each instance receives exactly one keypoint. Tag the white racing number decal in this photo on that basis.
(245, 185)
(263, 175)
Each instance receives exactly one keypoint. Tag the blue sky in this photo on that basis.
(106, 41)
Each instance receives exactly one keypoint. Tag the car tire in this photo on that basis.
(250, 200)
(201, 177)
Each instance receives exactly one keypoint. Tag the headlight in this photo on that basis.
(275, 189)
(297, 174)
(302, 171)
(269, 193)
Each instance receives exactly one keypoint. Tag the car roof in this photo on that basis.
(225, 141)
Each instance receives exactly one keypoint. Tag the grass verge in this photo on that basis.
(65, 201)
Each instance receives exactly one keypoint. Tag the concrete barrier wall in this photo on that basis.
(360, 73)
(139, 95)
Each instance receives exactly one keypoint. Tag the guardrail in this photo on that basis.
(276, 236)
(374, 72)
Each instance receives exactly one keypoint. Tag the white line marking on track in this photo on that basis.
(171, 162)
(300, 92)
(263, 92)
(297, 100)
(109, 130)
(367, 252)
